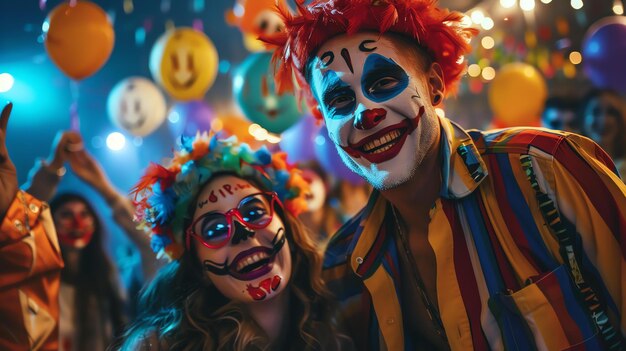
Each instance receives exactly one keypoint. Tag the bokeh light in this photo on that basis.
(116, 141)
(6, 82)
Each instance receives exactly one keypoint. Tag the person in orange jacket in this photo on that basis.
(30, 262)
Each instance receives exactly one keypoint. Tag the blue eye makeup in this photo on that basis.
(382, 78)
(338, 97)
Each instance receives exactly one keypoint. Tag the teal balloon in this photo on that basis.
(255, 93)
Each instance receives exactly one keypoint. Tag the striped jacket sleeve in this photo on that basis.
(592, 197)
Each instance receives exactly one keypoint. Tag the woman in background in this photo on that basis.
(93, 306)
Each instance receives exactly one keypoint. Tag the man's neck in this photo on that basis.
(414, 198)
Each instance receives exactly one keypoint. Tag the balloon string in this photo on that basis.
(74, 118)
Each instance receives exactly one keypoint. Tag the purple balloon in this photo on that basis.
(604, 53)
(298, 140)
(330, 160)
(189, 117)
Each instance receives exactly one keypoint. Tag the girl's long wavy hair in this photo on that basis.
(95, 280)
(184, 311)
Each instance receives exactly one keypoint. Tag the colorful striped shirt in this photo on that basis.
(509, 202)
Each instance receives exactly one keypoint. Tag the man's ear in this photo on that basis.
(436, 85)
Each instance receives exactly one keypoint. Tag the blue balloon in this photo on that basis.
(255, 93)
(604, 53)
(298, 141)
(187, 118)
(327, 156)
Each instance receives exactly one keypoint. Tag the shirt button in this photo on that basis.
(33, 208)
(359, 260)
(391, 320)
(18, 224)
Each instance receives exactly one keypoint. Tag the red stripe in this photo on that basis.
(593, 186)
(605, 158)
(465, 277)
(394, 270)
(510, 219)
(526, 137)
(550, 287)
(506, 271)
(372, 254)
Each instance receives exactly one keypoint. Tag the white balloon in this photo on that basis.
(136, 105)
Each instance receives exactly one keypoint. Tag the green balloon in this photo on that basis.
(255, 93)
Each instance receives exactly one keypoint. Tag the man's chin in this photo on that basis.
(387, 182)
(383, 176)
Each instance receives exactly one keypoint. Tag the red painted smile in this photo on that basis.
(386, 143)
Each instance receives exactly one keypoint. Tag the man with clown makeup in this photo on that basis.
(512, 239)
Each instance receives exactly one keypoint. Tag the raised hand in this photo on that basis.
(8, 174)
(64, 144)
(87, 168)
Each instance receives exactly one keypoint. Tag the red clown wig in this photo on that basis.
(439, 32)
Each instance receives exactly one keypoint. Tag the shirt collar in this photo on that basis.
(463, 169)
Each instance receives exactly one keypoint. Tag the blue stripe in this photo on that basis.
(574, 307)
(596, 281)
(391, 249)
(483, 244)
(525, 218)
(515, 332)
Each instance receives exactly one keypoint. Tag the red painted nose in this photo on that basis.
(369, 119)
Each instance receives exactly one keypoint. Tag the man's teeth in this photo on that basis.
(246, 261)
(386, 140)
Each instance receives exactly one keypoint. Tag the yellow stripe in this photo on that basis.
(451, 305)
(523, 269)
(531, 201)
(541, 318)
(387, 308)
(370, 232)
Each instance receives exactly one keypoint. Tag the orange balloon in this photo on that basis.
(254, 18)
(80, 38)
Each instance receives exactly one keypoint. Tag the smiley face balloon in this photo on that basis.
(255, 93)
(184, 62)
(135, 104)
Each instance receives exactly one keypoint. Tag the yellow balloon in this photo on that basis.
(184, 62)
(517, 95)
(80, 38)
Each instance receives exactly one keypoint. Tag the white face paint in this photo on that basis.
(251, 264)
(376, 106)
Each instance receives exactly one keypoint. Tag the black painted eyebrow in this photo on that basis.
(364, 48)
(345, 54)
(331, 57)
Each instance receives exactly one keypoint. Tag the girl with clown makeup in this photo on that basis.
(244, 274)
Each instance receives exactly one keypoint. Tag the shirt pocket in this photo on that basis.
(546, 314)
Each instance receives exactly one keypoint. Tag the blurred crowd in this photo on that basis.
(600, 115)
